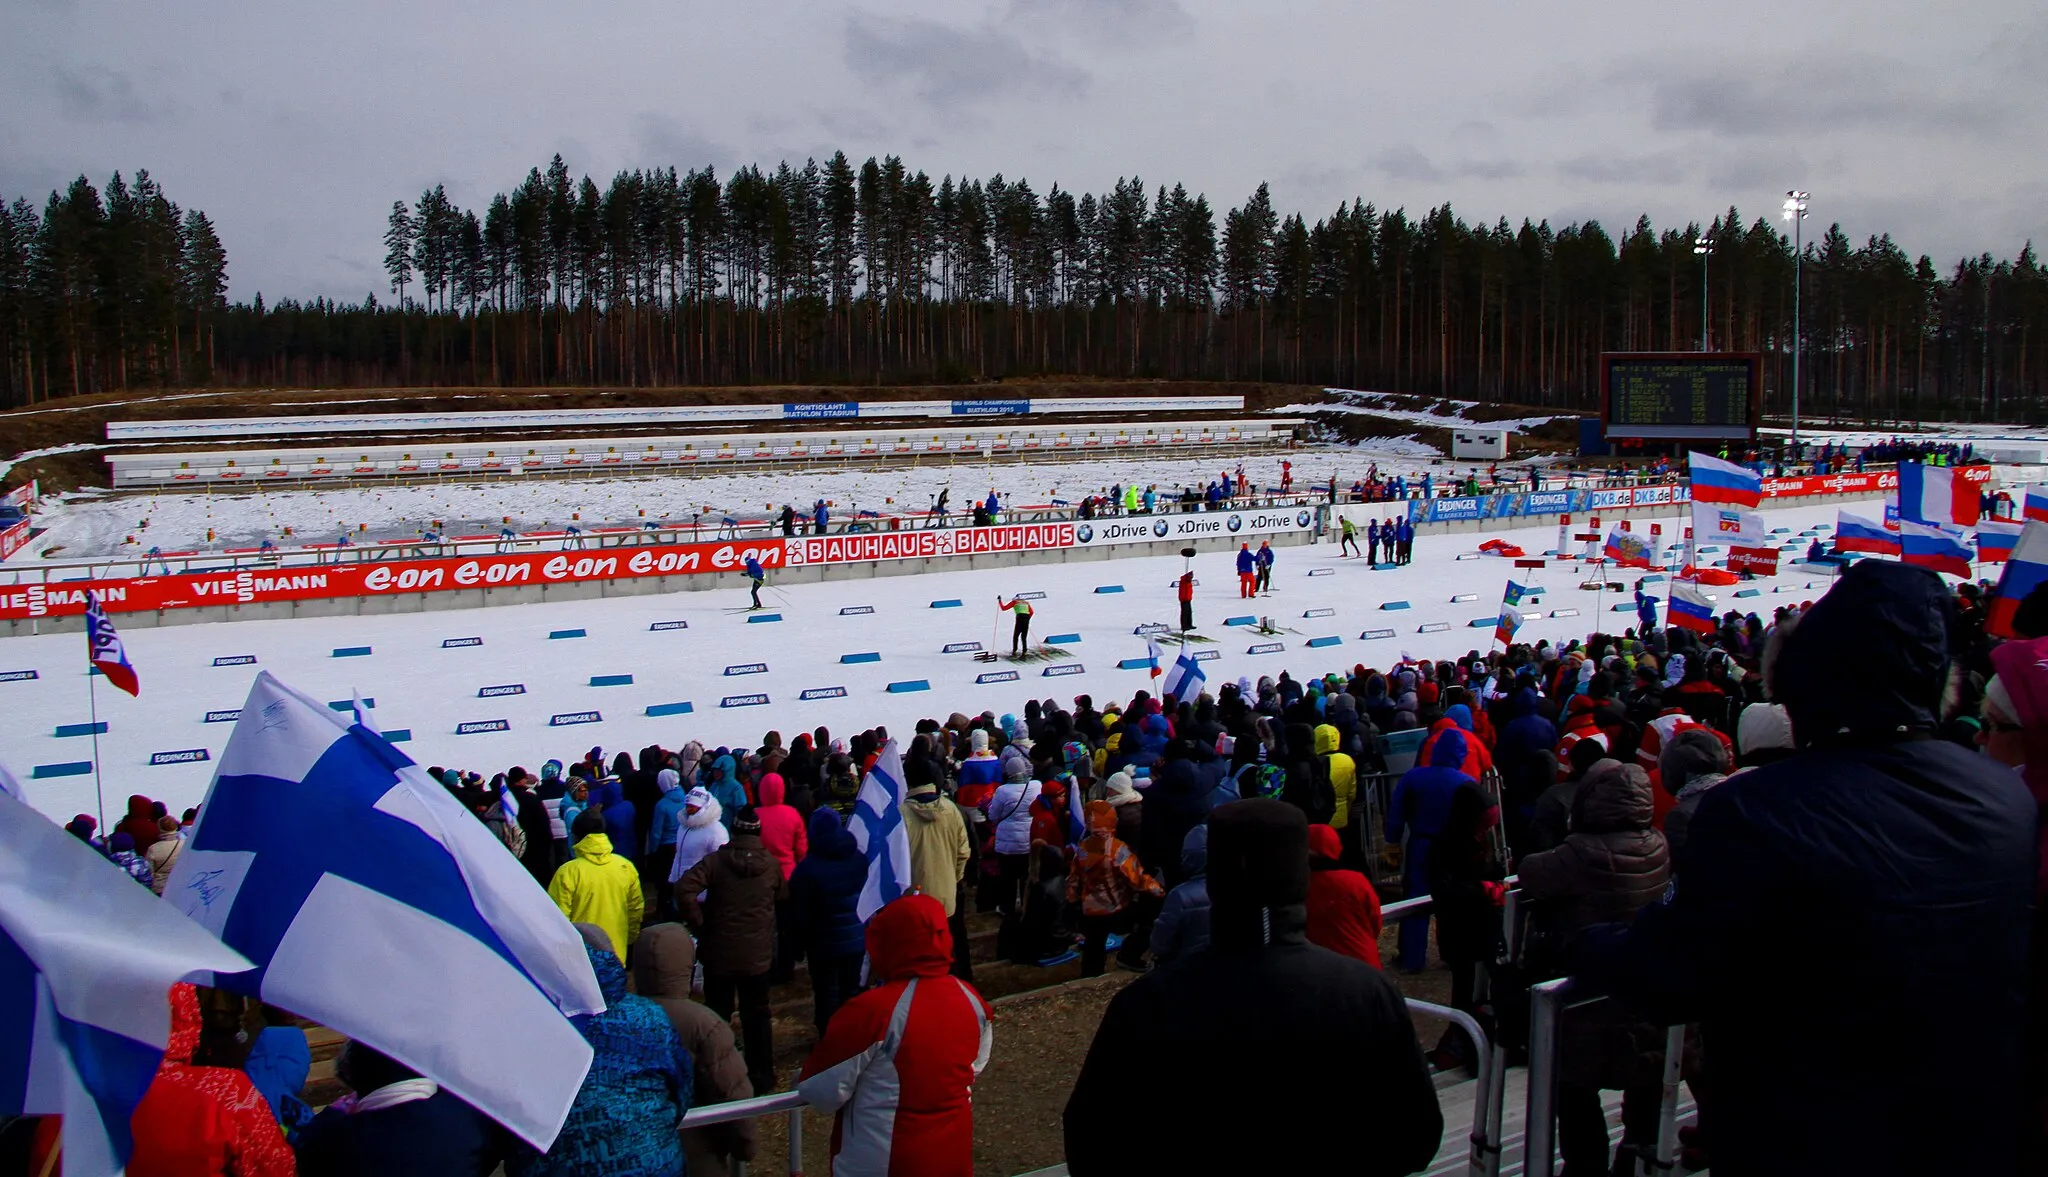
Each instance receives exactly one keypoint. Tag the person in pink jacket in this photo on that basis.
(782, 827)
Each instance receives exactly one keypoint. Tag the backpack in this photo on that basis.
(1261, 780)
(1315, 796)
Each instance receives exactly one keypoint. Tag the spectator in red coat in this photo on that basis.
(904, 1111)
(199, 1121)
(782, 827)
(1343, 909)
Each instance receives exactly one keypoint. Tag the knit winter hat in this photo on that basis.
(746, 821)
(1119, 790)
(1016, 769)
(1763, 726)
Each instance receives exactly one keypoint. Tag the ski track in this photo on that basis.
(95, 526)
(420, 686)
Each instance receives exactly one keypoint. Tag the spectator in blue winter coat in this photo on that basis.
(825, 891)
(722, 782)
(1182, 928)
(1420, 808)
(626, 1118)
(1372, 542)
(608, 798)
(1520, 755)
(278, 1063)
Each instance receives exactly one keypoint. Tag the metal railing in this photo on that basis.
(1548, 1002)
(786, 1102)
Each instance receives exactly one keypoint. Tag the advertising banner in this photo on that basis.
(14, 538)
(1135, 529)
(930, 543)
(1453, 510)
(249, 586)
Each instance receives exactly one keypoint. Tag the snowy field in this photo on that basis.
(92, 526)
(428, 689)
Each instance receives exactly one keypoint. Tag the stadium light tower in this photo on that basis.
(1703, 248)
(1795, 211)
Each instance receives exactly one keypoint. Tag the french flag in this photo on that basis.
(1716, 481)
(1690, 609)
(1928, 545)
(2037, 503)
(1854, 533)
(1933, 494)
(1995, 541)
(2025, 571)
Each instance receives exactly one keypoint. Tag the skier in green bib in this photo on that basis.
(1020, 632)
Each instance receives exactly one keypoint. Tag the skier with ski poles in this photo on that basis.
(755, 574)
(1020, 632)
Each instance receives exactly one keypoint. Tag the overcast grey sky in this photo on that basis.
(295, 125)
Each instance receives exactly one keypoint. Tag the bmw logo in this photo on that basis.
(1084, 532)
(1301, 518)
(1236, 523)
(1160, 527)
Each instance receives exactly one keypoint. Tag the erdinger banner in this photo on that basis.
(928, 544)
(1147, 529)
(247, 586)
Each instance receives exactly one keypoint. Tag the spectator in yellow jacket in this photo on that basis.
(1344, 783)
(597, 886)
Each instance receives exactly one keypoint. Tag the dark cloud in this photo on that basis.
(1663, 167)
(99, 95)
(663, 140)
(1811, 93)
(1127, 24)
(950, 66)
(1405, 162)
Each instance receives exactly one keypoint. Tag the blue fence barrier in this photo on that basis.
(611, 680)
(558, 634)
(1245, 620)
(352, 652)
(657, 710)
(864, 656)
(1319, 643)
(1063, 639)
(68, 768)
(1109, 588)
(909, 685)
(67, 730)
(950, 603)
(757, 618)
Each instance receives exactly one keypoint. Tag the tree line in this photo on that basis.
(874, 274)
(123, 290)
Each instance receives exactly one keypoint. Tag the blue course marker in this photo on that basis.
(236, 660)
(1564, 612)
(1319, 643)
(1134, 664)
(67, 730)
(758, 618)
(1322, 572)
(566, 633)
(995, 676)
(1265, 648)
(962, 648)
(657, 710)
(70, 768)
(908, 685)
(401, 735)
(1384, 567)
(1483, 622)
(660, 626)
(950, 603)
(1749, 592)
(756, 700)
(1063, 639)
(479, 726)
(1384, 605)
(572, 718)
(1063, 669)
(1319, 613)
(816, 693)
(1461, 598)
(611, 680)
(1245, 620)
(17, 676)
(350, 704)
(867, 656)
(352, 652)
(459, 643)
(1433, 627)
(1109, 588)
(1152, 627)
(856, 610)
(1375, 635)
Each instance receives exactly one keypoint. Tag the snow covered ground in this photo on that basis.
(91, 526)
(421, 685)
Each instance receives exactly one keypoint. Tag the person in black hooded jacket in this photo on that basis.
(1260, 1000)
(1852, 926)
(1177, 802)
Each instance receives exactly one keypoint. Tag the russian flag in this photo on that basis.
(1995, 541)
(1928, 545)
(1688, 608)
(1716, 481)
(2037, 503)
(2025, 571)
(1854, 533)
(1627, 549)
(1510, 621)
(1933, 494)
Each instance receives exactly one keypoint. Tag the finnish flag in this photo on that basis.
(371, 901)
(878, 832)
(87, 960)
(1185, 680)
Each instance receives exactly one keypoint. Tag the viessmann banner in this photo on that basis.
(1152, 529)
(253, 586)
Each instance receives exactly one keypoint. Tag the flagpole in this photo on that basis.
(92, 703)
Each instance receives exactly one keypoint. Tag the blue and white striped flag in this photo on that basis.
(87, 960)
(877, 829)
(371, 901)
(1184, 680)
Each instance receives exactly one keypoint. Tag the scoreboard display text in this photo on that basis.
(1679, 396)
